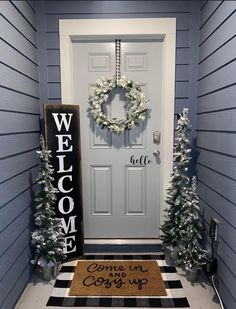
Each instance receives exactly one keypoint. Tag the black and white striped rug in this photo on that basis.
(175, 294)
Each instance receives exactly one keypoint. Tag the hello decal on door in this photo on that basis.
(62, 138)
(140, 160)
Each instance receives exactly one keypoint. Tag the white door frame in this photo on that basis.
(140, 28)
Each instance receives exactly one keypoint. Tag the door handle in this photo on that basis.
(156, 153)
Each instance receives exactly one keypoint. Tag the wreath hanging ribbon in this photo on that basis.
(133, 92)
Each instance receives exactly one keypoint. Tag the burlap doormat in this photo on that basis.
(117, 278)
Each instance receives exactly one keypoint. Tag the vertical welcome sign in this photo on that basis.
(63, 139)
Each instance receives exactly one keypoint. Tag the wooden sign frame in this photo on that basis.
(62, 136)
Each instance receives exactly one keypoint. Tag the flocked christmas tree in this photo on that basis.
(191, 254)
(48, 238)
(176, 193)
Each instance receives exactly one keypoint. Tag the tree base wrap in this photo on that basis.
(191, 274)
(171, 255)
(48, 272)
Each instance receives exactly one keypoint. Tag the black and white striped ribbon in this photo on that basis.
(118, 56)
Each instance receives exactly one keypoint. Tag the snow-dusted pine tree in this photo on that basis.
(191, 254)
(48, 238)
(176, 193)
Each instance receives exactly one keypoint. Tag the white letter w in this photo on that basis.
(62, 121)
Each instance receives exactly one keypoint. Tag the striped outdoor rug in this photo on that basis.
(175, 294)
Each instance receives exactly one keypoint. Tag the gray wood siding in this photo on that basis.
(19, 137)
(216, 114)
(186, 14)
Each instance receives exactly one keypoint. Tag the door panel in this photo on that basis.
(101, 190)
(121, 177)
(135, 191)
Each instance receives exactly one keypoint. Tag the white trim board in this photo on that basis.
(136, 241)
(146, 28)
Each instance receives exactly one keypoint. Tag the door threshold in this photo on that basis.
(126, 241)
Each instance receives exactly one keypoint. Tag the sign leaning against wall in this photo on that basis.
(62, 134)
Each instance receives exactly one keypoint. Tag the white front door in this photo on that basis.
(120, 174)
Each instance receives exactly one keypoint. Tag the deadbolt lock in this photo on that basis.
(156, 137)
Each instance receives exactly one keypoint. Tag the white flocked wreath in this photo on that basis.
(133, 92)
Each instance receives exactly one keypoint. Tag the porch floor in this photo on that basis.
(200, 295)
